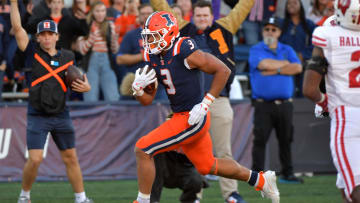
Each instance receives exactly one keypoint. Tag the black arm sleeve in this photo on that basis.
(318, 64)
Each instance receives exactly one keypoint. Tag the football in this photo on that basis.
(72, 74)
(151, 87)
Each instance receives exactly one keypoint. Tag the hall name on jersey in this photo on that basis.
(349, 41)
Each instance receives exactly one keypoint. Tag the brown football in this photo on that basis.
(73, 73)
(151, 87)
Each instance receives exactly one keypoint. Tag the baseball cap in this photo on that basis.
(47, 25)
(272, 21)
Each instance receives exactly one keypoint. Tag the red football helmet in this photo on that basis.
(160, 31)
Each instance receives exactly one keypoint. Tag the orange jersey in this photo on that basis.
(124, 24)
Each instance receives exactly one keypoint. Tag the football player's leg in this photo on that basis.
(355, 195)
(345, 142)
(164, 138)
(145, 171)
(200, 153)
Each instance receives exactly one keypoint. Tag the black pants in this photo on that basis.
(174, 170)
(269, 115)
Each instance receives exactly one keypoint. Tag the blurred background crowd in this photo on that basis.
(111, 48)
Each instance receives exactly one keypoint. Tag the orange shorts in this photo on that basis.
(176, 133)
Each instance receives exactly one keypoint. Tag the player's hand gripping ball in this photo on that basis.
(150, 88)
(73, 73)
(145, 81)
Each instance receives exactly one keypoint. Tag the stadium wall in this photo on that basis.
(106, 135)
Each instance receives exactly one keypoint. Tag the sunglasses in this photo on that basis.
(270, 29)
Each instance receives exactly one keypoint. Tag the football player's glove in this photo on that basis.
(200, 110)
(142, 80)
(323, 102)
(319, 112)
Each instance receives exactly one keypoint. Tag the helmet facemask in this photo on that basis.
(159, 33)
(153, 41)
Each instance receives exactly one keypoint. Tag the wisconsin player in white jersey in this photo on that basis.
(336, 56)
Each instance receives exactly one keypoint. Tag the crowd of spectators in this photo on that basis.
(99, 45)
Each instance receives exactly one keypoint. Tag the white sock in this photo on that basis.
(25, 193)
(143, 198)
(80, 197)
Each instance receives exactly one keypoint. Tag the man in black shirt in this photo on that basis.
(46, 109)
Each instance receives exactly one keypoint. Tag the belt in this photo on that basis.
(275, 101)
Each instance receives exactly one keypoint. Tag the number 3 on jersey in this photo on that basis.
(354, 75)
(168, 81)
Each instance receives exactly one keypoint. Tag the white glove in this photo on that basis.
(319, 112)
(142, 80)
(200, 110)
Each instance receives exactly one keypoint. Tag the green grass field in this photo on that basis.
(318, 189)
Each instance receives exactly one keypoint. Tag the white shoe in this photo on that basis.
(87, 200)
(270, 189)
(23, 199)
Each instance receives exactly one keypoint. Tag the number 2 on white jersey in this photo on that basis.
(354, 74)
(168, 81)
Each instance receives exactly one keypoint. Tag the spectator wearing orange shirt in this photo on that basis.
(127, 21)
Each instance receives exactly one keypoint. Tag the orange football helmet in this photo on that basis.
(159, 32)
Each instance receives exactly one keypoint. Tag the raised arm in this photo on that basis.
(236, 16)
(21, 36)
(162, 5)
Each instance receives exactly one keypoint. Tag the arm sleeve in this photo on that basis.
(319, 38)
(236, 16)
(318, 64)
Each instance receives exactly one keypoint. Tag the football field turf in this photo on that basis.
(317, 189)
